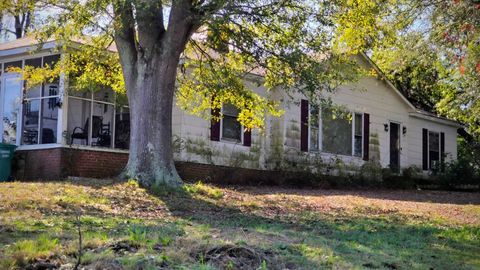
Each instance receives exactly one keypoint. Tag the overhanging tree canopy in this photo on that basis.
(430, 49)
(217, 42)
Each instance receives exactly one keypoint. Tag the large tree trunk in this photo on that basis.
(150, 55)
(151, 156)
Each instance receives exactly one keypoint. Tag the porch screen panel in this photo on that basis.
(336, 132)
(31, 124)
(79, 111)
(122, 128)
(102, 124)
(41, 107)
(49, 114)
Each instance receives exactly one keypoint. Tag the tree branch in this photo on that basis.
(149, 18)
(125, 40)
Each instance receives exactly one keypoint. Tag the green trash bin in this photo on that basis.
(6, 156)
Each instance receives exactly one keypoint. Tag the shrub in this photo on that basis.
(464, 170)
(460, 172)
(371, 174)
(413, 172)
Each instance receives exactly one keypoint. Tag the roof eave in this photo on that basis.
(436, 119)
(27, 49)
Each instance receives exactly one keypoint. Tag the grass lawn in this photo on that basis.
(205, 227)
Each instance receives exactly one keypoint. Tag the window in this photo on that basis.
(40, 115)
(336, 132)
(94, 120)
(358, 135)
(10, 104)
(231, 128)
(41, 107)
(433, 149)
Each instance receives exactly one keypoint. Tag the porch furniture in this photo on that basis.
(82, 133)
(104, 138)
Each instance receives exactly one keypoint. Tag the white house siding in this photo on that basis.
(415, 140)
(384, 105)
(278, 147)
(194, 144)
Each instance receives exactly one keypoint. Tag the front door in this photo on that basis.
(10, 105)
(395, 147)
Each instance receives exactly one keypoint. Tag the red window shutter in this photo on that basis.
(366, 136)
(215, 126)
(442, 151)
(304, 125)
(247, 138)
(425, 149)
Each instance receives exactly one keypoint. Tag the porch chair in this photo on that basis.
(82, 133)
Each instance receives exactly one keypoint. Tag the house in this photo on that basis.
(60, 133)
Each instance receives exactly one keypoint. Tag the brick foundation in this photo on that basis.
(59, 163)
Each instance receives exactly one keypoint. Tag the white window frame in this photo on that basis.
(320, 132)
(353, 133)
(90, 120)
(229, 139)
(40, 98)
(20, 112)
(20, 109)
(439, 147)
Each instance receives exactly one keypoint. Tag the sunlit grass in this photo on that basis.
(170, 228)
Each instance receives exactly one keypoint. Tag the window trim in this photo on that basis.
(3, 73)
(354, 113)
(19, 129)
(228, 140)
(428, 147)
(91, 100)
(320, 133)
(41, 99)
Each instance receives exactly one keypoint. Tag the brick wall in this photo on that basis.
(38, 164)
(90, 163)
(59, 163)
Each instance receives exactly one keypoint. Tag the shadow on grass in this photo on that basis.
(382, 242)
(442, 197)
(309, 240)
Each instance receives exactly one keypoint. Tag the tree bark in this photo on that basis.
(151, 157)
(150, 57)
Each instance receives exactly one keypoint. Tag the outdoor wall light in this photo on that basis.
(386, 127)
(404, 130)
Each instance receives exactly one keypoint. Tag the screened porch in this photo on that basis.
(52, 114)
